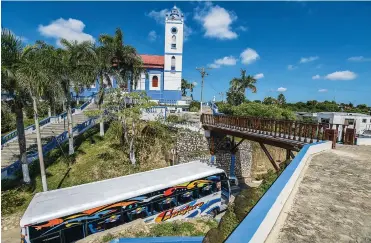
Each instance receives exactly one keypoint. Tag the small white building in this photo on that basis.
(362, 122)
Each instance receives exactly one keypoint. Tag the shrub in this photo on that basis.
(195, 104)
(7, 118)
(258, 110)
(194, 109)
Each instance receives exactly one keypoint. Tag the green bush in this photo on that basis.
(195, 104)
(194, 109)
(257, 110)
(172, 118)
(108, 237)
(7, 119)
(175, 229)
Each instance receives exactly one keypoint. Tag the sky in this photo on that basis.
(305, 50)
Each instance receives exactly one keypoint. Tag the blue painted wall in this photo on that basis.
(162, 95)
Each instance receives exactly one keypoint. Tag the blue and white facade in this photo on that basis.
(164, 73)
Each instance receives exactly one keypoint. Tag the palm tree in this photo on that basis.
(35, 76)
(12, 57)
(74, 66)
(243, 83)
(185, 85)
(114, 59)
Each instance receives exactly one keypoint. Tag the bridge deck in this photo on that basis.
(332, 202)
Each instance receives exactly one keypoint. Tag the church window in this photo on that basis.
(173, 41)
(172, 63)
(174, 30)
(155, 81)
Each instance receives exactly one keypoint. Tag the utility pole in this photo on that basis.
(222, 95)
(203, 73)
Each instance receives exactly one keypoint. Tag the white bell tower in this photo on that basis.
(174, 25)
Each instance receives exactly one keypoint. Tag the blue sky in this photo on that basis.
(307, 50)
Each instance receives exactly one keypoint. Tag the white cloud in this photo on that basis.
(216, 21)
(213, 65)
(322, 90)
(241, 28)
(341, 75)
(226, 61)
(308, 59)
(158, 16)
(281, 89)
(71, 29)
(152, 35)
(359, 59)
(291, 67)
(316, 77)
(259, 76)
(249, 56)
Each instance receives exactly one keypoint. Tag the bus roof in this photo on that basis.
(62, 202)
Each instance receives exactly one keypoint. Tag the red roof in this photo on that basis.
(153, 61)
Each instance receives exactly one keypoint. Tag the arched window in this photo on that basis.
(173, 42)
(173, 63)
(155, 81)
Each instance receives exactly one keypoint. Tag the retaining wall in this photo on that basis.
(257, 225)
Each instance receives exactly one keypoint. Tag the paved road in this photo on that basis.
(333, 201)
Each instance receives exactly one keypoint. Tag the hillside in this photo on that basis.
(95, 159)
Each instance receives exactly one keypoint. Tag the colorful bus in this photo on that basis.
(69, 214)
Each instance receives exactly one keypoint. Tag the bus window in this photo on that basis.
(73, 233)
(185, 197)
(138, 213)
(165, 204)
(52, 238)
(207, 190)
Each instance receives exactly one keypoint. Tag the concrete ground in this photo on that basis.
(333, 201)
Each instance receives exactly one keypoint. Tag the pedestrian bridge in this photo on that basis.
(288, 134)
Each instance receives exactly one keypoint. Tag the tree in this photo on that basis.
(120, 108)
(269, 101)
(74, 66)
(35, 76)
(243, 83)
(281, 99)
(114, 59)
(238, 86)
(185, 85)
(12, 57)
(234, 97)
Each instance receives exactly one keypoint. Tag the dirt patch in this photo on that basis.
(333, 203)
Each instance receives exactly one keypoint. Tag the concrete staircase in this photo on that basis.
(10, 151)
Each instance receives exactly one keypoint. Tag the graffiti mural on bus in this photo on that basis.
(176, 212)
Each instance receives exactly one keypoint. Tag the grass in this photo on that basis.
(190, 227)
(95, 159)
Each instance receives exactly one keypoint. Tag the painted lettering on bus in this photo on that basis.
(166, 215)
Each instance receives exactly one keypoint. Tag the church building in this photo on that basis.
(164, 72)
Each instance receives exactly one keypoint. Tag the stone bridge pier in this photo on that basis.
(234, 157)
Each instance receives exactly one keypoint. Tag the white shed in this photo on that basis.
(362, 122)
